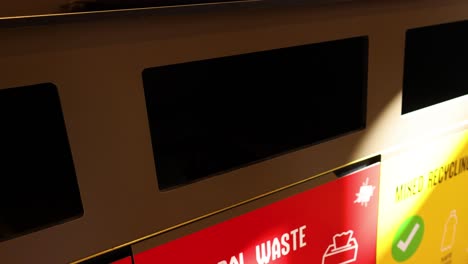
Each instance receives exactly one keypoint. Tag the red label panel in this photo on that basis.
(335, 223)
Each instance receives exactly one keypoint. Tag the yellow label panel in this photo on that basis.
(423, 211)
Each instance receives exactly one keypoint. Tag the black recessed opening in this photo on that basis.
(436, 65)
(112, 257)
(37, 177)
(211, 116)
(347, 170)
(100, 5)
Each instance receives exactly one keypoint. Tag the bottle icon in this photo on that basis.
(450, 228)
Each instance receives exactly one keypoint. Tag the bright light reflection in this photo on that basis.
(425, 148)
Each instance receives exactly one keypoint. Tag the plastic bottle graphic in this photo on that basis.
(450, 228)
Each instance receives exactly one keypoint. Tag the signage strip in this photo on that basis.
(196, 219)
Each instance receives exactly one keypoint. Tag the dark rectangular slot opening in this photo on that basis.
(435, 65)
(101, 5)
(37, 175)
(208, 117)
(357, 166)
(121, 255)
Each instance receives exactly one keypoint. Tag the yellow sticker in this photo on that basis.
(423, 210)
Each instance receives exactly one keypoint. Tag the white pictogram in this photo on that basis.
(365, 193)
(450, 229)
(403, 245)
(343, 250)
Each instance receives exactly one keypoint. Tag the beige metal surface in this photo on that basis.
(23, 8)
(60, 8)
(97, 61)
(229, 214)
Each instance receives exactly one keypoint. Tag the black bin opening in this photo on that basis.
(37, 176)
(436, 67)
(211, 116)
